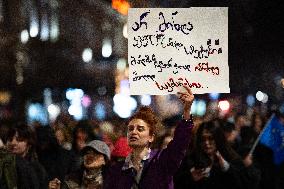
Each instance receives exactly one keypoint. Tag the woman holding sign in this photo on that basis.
(147, 168)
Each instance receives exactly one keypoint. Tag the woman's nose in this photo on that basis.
(134, 131)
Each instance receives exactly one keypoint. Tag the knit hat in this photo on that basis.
(98, 146)
(121, 148)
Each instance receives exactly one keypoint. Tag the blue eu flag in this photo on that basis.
(273, 137)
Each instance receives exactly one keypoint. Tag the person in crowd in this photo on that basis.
(243, 147)
(107, 134)
(57, 161)
(163, 138)
(257, 122)
(166, 139)
(264, 158)
(96, 155)
(231, 134)
(211, 162)
(240, 121)
(82, 134)
(253, 172)
(121, 150)
(147, 168)
(30, 173)
(166, 135)
(63, 138)
(8, 172)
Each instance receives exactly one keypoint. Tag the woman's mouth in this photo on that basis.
(132, 139)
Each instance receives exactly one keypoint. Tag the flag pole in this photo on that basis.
(259, 136)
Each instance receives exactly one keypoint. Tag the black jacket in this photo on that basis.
(217, 179)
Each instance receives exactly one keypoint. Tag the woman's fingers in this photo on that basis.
(187, 88)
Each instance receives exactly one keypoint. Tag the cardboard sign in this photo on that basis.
(172, 47)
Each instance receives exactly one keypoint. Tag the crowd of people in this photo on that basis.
(146, 152)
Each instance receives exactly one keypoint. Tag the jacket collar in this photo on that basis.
(128, 164)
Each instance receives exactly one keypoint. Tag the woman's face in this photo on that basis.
(138, 134)
(208, 143)
(18, 146)
(93, 160)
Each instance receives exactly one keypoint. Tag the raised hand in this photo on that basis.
(187, 98)
(248, 160)
(54, 184)
(198, 174)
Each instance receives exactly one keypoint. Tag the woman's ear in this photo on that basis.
(152, 137)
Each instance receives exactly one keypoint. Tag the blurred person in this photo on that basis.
(96, 155)
(107, 134)
(257, 122)
(64, 120)
(166, 139)
(30, 173)
(231, 134)
(264, 156)
(166, 132)
(57, 161)
(121, 150)
(63, 138)
(8, 171)
(211, 162)
(253, 172)
(147, 168)
(82, 134)
(240, 121)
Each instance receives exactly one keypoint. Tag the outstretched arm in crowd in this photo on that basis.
(172, 156)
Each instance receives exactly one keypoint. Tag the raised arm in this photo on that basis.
(172, 156)
(187, 99)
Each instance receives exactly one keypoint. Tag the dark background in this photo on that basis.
(256, 46)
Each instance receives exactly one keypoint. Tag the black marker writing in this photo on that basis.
(145, 77)
(174, 26)
(197, 52)
(159, 64)
(139, 25)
